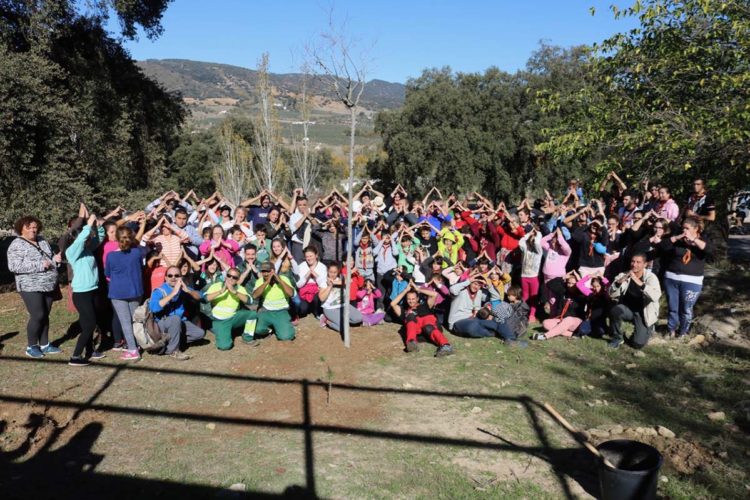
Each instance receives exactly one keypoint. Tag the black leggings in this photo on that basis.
(84, 302)
(39, 305)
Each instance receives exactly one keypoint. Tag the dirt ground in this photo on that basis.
(311, 418)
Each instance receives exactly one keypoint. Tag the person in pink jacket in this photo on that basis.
(223, 249)
(558, 253)
(667, 208)
(366, 299)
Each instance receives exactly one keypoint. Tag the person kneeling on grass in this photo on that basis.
(167, 303)
(636, 294)
(418, 319)
(226, 301)
(273, 293)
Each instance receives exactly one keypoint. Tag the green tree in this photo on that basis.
(469, 131)
(668, 99)
(83, 123)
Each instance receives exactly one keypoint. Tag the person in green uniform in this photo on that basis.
(273, 293)
(227, 300)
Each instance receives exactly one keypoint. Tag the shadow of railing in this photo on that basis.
(565, 462)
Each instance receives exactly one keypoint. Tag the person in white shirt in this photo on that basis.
(299, 225)
(311, 278)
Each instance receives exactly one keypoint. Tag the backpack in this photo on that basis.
(146, 330)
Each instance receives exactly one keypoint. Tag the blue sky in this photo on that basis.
(406, 36)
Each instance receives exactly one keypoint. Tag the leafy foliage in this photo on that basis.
(83, 122)
(468, 131)
(668, 99)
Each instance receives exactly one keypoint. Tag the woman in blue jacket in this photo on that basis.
(80, 255)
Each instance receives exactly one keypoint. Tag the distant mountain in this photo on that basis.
(205, 80)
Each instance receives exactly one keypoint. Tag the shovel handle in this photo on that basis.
(575, 432)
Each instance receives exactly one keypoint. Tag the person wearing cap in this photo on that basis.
(450, 242)
(227, 300)
(273, 293)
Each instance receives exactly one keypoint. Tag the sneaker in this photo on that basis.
(323, 321)
(412, 346)
(444, 350)
(50, 349)
(76, 361)
(295, 322)
(179, 355)
(120, 346)
(130, 355)
(97, 355)
(539, 336)
(248, 339)
(35, 352)
(615, 343)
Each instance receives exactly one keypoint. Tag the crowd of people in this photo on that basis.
(203, 268)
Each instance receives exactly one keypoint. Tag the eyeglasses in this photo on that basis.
(173, 275)
(233, 276)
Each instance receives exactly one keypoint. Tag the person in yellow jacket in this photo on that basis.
(450, 242)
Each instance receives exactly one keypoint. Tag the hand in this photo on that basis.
(47, 264)
(91, 220)
(57, 258)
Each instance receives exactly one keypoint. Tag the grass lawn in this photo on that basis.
(313, 418)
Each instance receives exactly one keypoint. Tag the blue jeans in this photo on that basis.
(596, 327)
(478, 328)
(681, 298)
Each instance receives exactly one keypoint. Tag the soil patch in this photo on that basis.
(681, 455)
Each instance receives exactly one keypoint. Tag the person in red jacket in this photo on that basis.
(511, 232)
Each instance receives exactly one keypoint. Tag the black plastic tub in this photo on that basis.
(636, 472)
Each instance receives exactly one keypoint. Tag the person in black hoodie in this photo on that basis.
(685, 255)
(572, 314)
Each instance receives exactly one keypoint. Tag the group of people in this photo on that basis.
(580, 267)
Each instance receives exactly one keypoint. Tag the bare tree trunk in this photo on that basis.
(232, 174)
(305, 163)
(266, 130)
(349, 237)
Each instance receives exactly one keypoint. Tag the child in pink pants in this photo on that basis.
(572, 313)
(366, 298)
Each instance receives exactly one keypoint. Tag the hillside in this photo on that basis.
(204, 80)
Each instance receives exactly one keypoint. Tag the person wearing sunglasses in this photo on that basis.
(273, 293)
(228, 313)
(168, 303)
